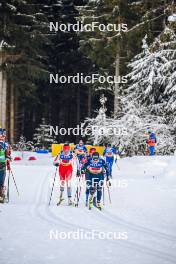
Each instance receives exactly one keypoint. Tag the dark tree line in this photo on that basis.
(34, 52)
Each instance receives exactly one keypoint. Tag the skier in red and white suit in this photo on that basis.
(64, 162)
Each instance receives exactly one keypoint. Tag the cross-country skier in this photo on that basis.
(109, 154)
(96, 169)
(4, 161)
(83, 161)
(80, 150)
(86, 157)
(64, 161)
(151, 143)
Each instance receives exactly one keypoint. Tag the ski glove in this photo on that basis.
(82, 171)
(56, 164)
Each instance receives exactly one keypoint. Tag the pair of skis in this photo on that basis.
(70, 203)
(93, 203)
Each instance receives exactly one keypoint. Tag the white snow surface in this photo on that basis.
(144, 207)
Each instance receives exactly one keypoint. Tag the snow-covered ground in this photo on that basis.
(142, 213)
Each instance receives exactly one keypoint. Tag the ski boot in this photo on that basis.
(90, 205)
(70, 203)
(99, 206)
(61, 199)
(2, 195)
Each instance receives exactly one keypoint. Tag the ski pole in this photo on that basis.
(117, 165)
(8, 185)
(14, 182)
(103, 196)
(109, 195)
(52, 188)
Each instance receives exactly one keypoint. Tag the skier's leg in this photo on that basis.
(62, 180)
(99, 189)
(110, 165)
(78, 166)
(87, 187)
(2, 180)
(62, 183)
(92, 189)
(62, 186)
(79, 157)
(152, 150)
(69, 172)
(99, 194)
(95, 186)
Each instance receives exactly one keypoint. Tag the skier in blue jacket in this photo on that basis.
(109, 154)
(96, 169)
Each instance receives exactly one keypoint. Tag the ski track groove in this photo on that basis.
(50, 218)
(130, 245)
(133, 227)
(115, 219)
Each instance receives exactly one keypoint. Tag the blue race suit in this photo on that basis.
(95, 176)
(109, 157)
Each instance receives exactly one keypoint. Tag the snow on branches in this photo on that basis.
(152, 78)
(129, 131)
(42, 137)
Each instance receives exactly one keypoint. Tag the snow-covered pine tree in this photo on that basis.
(96, 127)
(110, 50)
(42, 137)
(23, 145)
(168, 52)
(151, 80)
(129, 131)
(143, 80)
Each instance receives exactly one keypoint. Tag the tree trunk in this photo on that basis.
(12, 113)
(89, 101)
(78, 105)
(3, 97)
(117, 85)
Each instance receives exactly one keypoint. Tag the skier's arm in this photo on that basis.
(84, 167)
(57, 161)
(115, 154)
(85, 149)
(106, 168)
